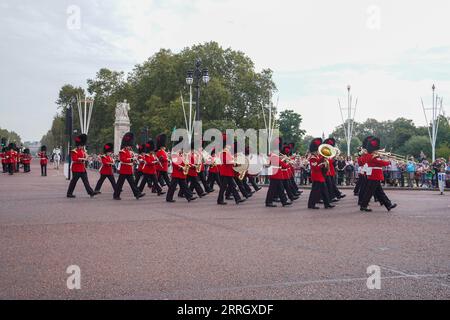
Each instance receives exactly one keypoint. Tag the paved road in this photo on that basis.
(148, 249)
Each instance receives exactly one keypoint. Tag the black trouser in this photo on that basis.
(43, 170)
(373, 188)
(319, 191)
(102, 179)
(246, 186)
(212, 178)
(183, 189)
(137, 176)
(26, 167)
(5, 167)
(121, 181)
(358, 185)
(152, 181)
(205, 184)
(194, 184)
(11, 168)
(289, 189)
(225, 183)
(163, 177)
(252, 180)
(73, 183)
(276, 189)
(241, 188)
(293, 184)
(362, 187)
(333, 191)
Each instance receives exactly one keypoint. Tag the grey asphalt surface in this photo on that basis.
(149, 249)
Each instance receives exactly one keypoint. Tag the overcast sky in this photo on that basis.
(391, 52)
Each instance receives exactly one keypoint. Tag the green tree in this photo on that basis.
(290, 127)
(415, 145)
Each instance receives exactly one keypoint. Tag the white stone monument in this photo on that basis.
(122, 124)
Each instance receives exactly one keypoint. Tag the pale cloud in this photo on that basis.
(314, 47)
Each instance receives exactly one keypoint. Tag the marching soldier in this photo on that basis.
(26, 160)
(79, 158)
(127, 159)
(288, 174)
(179, 173)
(11, 158)
(330, 178)
(140, 162)
(43, 160)
(227, 175)
(374, 177)
(318, 164)
(163, 164)
(213, 170)
(4, 160)
(106, 170)
(192, 178)
(362, 163)
(149, 169)
(276, 187)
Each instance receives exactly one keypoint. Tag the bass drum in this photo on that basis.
(256, 164)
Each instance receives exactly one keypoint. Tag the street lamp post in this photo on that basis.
(69, 132)
(195, 78)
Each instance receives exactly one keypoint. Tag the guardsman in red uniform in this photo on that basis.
(362, 164)
(374, 177)
(4, 161)
(127, 159)
(227, 175)
(140, 163)
(213, 164)
(192, 178)
(276, 188)
(149, 168)
(179, 163)
(26, 160)
(162, 166)
(10, 158)
(330, 179)
(43, 160)
(288, 174)
(79, 158)
(239, 183)
(106, 170)
(319, 188)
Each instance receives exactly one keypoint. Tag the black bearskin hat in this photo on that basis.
(314, 145)
(127, 140)
(11, 146)
(366, 141)
(109, 147)
(81, 140)
(286, 150)
(150, 146)
(161, 141)
(26, 151)
(43, 149)
(141, 148)
(330, 141)
(373, 145)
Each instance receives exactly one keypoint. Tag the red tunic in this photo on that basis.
(316, 169)
(376, 167)
(26, 158)
(43, 157)
(79, 157)
(163, 159)
(149, 164)
(226, 168)
(213, 168)
(141, 162)
(331, 172)
(177, 166)
(280, 168)
(193, 169)
(126, 158)
(3, 156)
(107, 163)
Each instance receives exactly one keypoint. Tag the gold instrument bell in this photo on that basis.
(241, 165)
(328, 151)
